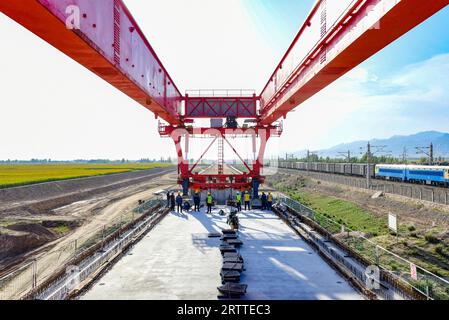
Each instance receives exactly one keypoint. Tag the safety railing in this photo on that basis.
(211, 93)
(17, 283)
(65, 285)
(394, 266)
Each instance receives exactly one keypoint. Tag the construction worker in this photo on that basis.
(186, 206)
(172, 202)
(264, 200)
(209, 202)
(179, 201)
(247, 201)
(238, 202)
(270, 201)
(197, 201)
(168, 199)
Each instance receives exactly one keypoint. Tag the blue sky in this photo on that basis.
(216, 44)
(281, 19)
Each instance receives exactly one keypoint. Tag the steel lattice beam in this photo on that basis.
(220, 107)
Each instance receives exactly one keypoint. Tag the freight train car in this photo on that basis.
(353, 169)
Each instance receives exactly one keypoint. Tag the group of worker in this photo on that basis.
(197, 202)
(181, 206)
(246, 200)
(178, 202)
(267, 201)
(175, 201)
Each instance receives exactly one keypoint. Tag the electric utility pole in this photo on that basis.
(405, 155)
(428, 151)
(368, 166)
(347, 155)
(309, 155)
(369, 158)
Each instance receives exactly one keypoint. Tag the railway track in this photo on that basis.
(228, 169)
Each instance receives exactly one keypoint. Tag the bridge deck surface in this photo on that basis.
(213, 169)
(177, 260)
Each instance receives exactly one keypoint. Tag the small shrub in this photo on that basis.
(411, 228)
(414, 234)
(431, 238)
(439, 249)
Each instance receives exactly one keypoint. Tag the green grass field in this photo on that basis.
(12, 175)
(344, 212)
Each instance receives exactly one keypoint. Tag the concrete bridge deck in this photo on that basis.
(177, 260)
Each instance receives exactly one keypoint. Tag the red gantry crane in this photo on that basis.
(103, 36)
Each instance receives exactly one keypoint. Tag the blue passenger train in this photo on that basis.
(430, 175)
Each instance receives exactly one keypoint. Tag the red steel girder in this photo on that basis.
(272, 130)
(220, 180)
(336, 37)
(108, 42)
(221, 107)
(224, 181)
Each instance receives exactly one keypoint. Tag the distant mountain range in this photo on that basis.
(394, 146)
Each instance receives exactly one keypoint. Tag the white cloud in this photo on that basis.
(365, 106)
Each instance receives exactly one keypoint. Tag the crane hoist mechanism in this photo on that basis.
(104, 37)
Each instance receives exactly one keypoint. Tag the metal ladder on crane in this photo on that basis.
(220, 156)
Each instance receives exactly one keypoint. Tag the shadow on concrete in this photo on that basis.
(279, 264)
(182, 215)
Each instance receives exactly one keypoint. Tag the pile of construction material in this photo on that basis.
(233, 266)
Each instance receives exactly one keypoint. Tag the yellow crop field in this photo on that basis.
(23, 174)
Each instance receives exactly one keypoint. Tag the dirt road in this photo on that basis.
(30, 230)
